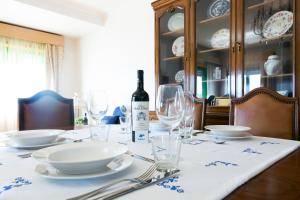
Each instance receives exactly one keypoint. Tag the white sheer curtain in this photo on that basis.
(54, 57)
(23, 72)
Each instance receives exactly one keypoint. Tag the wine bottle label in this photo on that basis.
(140, 121)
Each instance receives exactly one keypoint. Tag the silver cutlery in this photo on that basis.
(25, 155)
(137, 186)
(141, 157)
(140, 179)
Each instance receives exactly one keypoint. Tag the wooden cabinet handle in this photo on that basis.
(238, 45)
(233, 48)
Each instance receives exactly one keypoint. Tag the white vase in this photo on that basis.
(273, 65)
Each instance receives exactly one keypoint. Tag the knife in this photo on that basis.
(138, 186)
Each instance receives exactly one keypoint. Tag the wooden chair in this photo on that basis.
(45, 110)
(267, 113)
(200, 110)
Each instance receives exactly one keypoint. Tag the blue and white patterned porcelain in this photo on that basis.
(218, 8)
(179, 77)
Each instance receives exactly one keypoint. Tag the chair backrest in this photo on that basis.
(45, 110)
(200, 110)
(267, 113)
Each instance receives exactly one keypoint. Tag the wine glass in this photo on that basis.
(170, 105)
(97, 105)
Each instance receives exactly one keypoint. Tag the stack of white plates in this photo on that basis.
(229, 132)
(82, 160)
(32, 139)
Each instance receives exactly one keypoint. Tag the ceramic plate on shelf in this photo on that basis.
(218, 8)
(48, 171)
(176, 22)
(278, 24)
(179, 76)
(220, 39)
(178, 46)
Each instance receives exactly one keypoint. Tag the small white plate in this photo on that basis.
(52, 173)
(176, 22)
(246, 136)
(34, 137)
(59, 140)
(228, 130)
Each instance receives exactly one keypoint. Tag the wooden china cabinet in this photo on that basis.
(222, 49)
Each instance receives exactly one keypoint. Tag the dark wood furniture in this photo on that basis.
(280, 181)
(200, 112)
(267, 113)
(240, 63)
(45, 110)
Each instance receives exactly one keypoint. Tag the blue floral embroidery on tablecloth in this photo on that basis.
(251, 151)
(171, 184)
(18, 182)
(216, 163)
(266, 142)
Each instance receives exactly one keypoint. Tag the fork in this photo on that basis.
(140, 179)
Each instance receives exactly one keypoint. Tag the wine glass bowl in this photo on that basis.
(170, 105)
(97, 104)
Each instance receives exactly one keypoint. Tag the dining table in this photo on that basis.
(245, 168)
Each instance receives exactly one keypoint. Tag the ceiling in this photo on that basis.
(74, 18)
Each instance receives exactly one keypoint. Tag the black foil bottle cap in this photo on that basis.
(140, 74)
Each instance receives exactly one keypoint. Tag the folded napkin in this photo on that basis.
(115, 118)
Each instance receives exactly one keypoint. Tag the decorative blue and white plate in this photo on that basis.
(218, 8)
(179, 77)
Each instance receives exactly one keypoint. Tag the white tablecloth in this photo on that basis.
(208, 171)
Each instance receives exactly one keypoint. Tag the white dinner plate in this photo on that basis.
(179, 76)
(81, 158)
(178, 46)
(176, 22)
(222, 137)
(47, 171)
(58, 141)
(228, 130)
(34, 137)
(220, 39)
(158, 126)
(278, 24)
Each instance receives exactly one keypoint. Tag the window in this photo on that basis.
(23, 72)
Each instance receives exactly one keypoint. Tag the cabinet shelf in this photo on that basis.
(213, 49)
(172, 58)
(277, 76)
(218, 80)
(214, 19)
(259, 5)
(271, 40)
(176, 33)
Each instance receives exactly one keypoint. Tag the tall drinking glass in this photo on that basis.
(170, 105)
(187, 123)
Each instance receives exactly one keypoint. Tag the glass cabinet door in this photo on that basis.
(213, 42)
(268, 45)
(172, 46)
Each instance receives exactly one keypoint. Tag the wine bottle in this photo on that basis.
(140, 111)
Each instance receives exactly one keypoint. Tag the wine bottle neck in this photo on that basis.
(140, 85)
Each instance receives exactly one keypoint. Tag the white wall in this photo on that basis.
(69, 72)
(109, 58)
